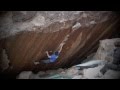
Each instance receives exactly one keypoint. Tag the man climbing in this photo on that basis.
(52, 58)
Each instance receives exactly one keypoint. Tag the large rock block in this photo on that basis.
(26, 36)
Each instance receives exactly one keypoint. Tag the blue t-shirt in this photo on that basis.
(53, 58)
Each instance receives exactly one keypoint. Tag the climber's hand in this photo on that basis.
(46, 52)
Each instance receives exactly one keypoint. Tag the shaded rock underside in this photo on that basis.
(30, 44)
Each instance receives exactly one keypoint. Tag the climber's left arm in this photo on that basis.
(48, 54)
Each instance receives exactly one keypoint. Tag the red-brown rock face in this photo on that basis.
(25, 36)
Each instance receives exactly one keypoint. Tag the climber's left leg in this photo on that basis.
(46, 61)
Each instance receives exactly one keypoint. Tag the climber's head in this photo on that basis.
(57, 53)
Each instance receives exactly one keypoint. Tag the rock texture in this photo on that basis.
(26, 35)
(111, 67)
(106, 49)
(4, 61)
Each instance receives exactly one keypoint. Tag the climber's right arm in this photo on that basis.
(61, 46)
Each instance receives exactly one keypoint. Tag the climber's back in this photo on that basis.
(54, 56)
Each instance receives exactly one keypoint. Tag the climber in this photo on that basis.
(52, 58)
